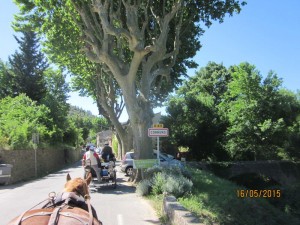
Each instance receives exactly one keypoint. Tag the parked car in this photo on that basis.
(165, 160)
(127, 163)
(164, 154)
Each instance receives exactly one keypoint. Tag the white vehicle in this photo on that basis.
(165, 160)
(127, 163)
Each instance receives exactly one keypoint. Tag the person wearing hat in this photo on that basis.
(91, 158)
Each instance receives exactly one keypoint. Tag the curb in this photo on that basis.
(177, 214)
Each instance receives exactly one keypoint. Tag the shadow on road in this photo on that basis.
(59, 173)
(123, 186)
(107, 189)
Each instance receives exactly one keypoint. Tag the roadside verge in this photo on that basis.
(177, 214)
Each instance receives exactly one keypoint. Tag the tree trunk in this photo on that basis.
(141, 120)
(125, 140)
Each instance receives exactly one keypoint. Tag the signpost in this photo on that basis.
(158, 131)
(143, 163)
(35, 140)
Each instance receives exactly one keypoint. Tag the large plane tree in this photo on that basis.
(144, 46)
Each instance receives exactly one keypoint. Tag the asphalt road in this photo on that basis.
(120, 206)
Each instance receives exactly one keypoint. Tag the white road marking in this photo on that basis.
(120, 219)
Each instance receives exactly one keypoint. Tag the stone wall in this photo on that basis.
(48, 160)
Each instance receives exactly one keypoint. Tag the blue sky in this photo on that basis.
(266, 34)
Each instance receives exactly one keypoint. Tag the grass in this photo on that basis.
(215, 200)
(157, 203)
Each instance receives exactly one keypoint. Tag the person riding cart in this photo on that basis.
(106, 172)
(91, 158)
(107, 153)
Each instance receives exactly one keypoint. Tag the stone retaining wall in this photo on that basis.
(48, 160)
(177, 214)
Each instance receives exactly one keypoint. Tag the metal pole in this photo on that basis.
(35, 140)
(158, 151)
(35, 161)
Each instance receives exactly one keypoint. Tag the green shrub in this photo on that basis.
(172, 180)
(150, 172)
(177, 185)
(214, 200)
(158, 182)
(19, 118)
(289, 201)
(144, 187)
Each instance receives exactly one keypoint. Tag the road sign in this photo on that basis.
(158, 132)
(144, 163)
(158, 125)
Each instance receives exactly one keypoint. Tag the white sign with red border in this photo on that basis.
(158, 132)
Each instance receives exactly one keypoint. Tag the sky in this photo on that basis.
(266, 34)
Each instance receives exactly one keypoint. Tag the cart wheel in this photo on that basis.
(115, 180)
(129, 170)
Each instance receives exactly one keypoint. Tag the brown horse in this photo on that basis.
(71, 207)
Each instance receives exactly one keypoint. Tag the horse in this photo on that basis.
(71, 207)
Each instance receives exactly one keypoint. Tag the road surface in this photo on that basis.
(120, 206)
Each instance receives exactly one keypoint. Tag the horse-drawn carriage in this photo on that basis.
(107, 172)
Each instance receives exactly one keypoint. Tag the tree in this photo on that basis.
(288, 108)
(7, 85)
(193, 117)
(85, 125)
(259, 115)
(19, 118)
(234, 113)
(56, 100)
(28, 67)
(95, 82)
(136, 42)
(28, 73)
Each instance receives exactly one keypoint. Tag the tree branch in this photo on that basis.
(159, 49)
(102, 10)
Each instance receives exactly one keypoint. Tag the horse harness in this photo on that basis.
(64, 200)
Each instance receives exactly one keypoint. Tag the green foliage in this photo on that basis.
(72, 133)
(178, 185)
(115, 144)
(83, 126)
(289, 202)
(172, 180)
(157, 203)
(258, 119)
(56, 20)
(28, 72)
(28, 67)
(182, 171)
(158, 183)
(56, 100)
(143, 188)
(194, 121)
(235, 114)
(124, 48)
(7, 85)
(215, 200)
(19, 118)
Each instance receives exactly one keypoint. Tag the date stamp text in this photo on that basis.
(250, 193)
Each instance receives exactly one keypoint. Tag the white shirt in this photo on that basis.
(89, 156)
